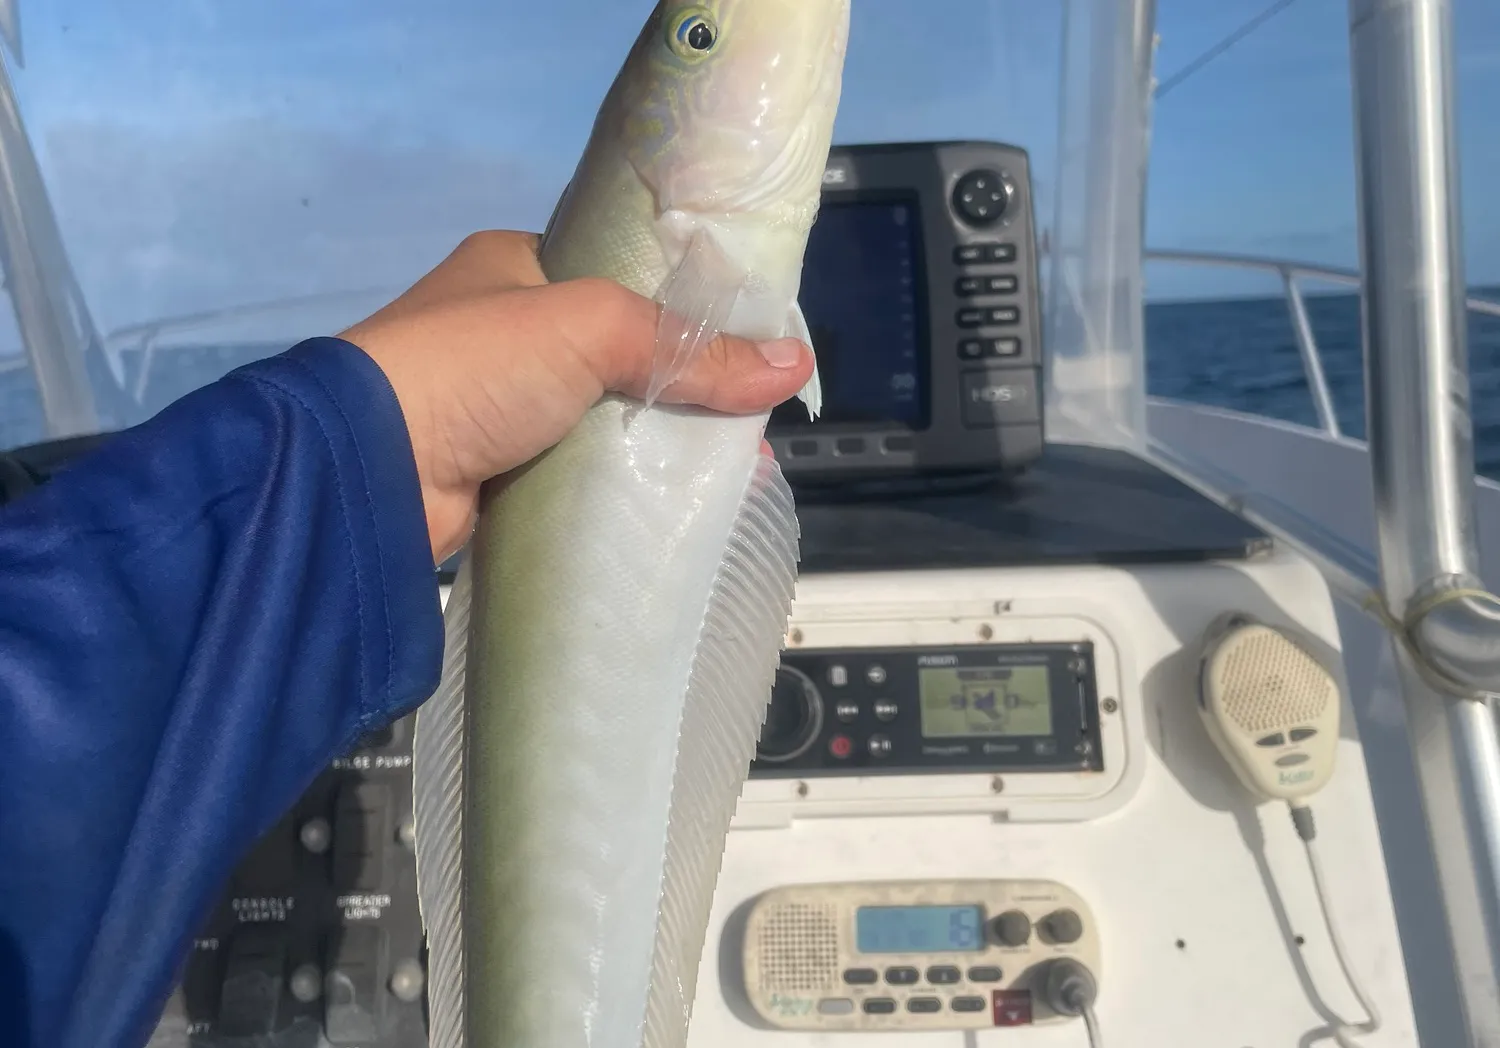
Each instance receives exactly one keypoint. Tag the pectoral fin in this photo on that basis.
(812, 393)
(696, 300)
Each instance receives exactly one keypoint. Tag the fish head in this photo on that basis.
(728, 106)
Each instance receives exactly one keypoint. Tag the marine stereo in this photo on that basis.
(920, 291)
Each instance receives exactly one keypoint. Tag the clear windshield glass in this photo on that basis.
(230, 177)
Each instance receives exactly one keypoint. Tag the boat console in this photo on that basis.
(985, 809)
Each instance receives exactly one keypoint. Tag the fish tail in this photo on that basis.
(437, 802)
(732, 676)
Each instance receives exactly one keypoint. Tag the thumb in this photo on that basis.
(615, 330)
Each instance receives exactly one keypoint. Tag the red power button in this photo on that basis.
(840, 746)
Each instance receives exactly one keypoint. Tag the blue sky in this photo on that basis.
(206, 153)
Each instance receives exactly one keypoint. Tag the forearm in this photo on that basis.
(193, 621)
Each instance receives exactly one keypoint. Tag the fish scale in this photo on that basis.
(617, 621)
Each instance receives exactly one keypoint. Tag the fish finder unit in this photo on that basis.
(920, 292)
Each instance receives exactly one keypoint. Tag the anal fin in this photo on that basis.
(730, 686)
(437, 806)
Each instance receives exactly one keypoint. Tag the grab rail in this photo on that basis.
(1292, 274)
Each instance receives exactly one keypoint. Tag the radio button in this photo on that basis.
(861, 976)
(1001, 285)
(968, 1004)
(880, 746)
(850, 446)
(968, 254)
(838, 675)
(875, 674)
(924, 1005)
(969, 285)
(972, 318)
(997, 398)
(1298, 734)
(1276, 739)
(846, 711)
(899, 442)
(885, 710)
(1004, 315)
(1061, 926)
(972, 349)
(943, 975)
(985, 973)
(1000, 253)
(902, 976)
(1003, 347)
(840, 746)
(802, 448)
(835, 1006)
(879, 1006)
(1012, 928)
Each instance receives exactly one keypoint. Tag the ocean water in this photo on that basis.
(1237, 353)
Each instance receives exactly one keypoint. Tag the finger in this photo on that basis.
(614, 332)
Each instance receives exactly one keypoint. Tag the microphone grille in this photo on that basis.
(1266, 680)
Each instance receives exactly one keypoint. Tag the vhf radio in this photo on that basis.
(920, 290)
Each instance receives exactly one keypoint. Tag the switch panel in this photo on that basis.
(317, 940)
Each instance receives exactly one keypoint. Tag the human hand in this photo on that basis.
(492, 365)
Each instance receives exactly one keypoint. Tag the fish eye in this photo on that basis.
(695, 34)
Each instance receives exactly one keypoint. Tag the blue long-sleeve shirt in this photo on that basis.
(195, 619)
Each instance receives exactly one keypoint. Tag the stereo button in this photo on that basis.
(838, 676)
(924, 1005)
(943, 975)
(880, 746)
(879, 1006)
(840, 746)
(984, 973)
(875, 674)
(860, 976)
(968, 1004)
(901, 976)
(846, 711)
(885, 710)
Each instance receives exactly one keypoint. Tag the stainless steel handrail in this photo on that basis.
(1292, 274)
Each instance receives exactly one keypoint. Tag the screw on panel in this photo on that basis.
(796, 636)
(997, 785)
(802, 789)
(1110, 705)
(986, 631)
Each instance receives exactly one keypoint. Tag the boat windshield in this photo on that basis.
(218, 181)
